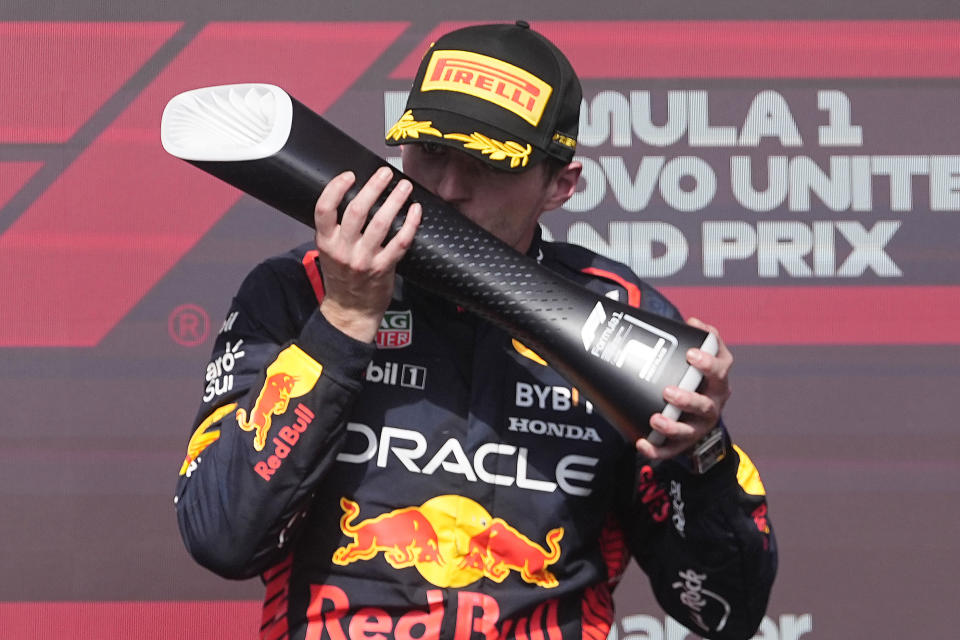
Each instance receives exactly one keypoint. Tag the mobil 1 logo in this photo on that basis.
(396, 374)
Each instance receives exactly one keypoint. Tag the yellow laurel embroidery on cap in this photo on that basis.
(518, 155)
(407, 127)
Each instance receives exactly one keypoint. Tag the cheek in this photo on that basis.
(416, 166)
(415, 171)
(521, 200)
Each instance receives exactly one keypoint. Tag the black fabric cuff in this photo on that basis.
(703, 488)
(343, 358)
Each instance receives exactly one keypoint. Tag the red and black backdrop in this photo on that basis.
(789, 172)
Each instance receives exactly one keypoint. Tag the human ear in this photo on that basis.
(563, 185)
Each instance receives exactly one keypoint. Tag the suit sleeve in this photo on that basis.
(706, 543)
(276, 392)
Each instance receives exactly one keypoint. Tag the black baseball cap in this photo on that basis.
(500, 92)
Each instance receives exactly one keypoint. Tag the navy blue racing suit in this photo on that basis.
(446, 482)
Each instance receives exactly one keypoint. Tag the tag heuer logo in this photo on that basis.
(396, 330)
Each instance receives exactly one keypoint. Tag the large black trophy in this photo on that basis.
(262, 141)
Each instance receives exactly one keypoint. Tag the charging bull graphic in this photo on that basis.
(291, 375)
(499, 548)
(451, 540)
(405, 536)
(272, 401)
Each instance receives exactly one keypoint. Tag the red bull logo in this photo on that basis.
(272, 401)
(451, 540)
(405, 537)
(284, 442)
(330, 614)
(652, 495)
(500, 548)
(759, 516)
(291, 375)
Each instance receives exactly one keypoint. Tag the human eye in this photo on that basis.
(432, 149)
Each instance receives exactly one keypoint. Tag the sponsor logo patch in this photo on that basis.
(627, 342)
(284, 442)
(396, 374)
(330, 614)
(396, 330)
(553, 429)
(550, 397)
(291, 375)
(219, 374)
(498, 82)
(703, 604)
(202, 438)
(652, 495)
(481, 545)
(228, 322)
(679, 518)
(574, 474)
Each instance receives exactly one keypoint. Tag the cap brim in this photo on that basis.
(483, 141)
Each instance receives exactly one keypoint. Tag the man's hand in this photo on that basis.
(700, 409)
(358, 269)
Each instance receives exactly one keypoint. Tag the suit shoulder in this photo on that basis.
(578, 263)
(285, 268)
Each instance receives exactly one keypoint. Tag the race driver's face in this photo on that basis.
(507, 205)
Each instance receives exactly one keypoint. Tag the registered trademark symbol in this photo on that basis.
(188, 325)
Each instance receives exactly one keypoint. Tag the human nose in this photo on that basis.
(455, 184)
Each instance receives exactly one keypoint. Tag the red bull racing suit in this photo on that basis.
(445, 482)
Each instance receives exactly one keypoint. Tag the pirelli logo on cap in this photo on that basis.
(489, 79)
